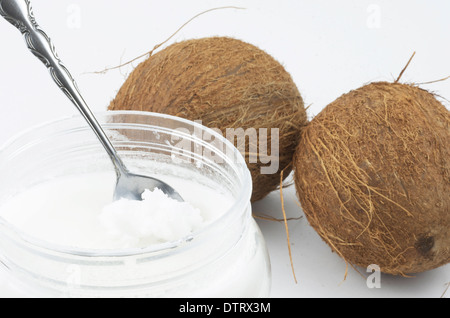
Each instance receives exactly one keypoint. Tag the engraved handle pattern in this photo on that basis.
(20, 14)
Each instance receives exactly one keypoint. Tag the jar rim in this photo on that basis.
(242, 200)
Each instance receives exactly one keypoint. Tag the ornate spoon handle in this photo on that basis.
(20, 14)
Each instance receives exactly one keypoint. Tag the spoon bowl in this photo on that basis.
(131, 186)
(20, 14)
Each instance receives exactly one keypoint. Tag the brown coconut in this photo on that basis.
(225, 83)
(372, 173)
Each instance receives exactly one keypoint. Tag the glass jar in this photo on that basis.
(227, 258)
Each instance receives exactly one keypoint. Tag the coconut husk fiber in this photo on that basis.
(225, 83)
(372, 173)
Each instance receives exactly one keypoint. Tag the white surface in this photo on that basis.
(329, 47)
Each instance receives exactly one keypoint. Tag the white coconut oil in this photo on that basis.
(61, 234)
(78, 211)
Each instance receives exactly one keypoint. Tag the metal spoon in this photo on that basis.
(19, 13)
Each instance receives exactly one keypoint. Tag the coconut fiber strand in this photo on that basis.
(372, 173)
(225, 83)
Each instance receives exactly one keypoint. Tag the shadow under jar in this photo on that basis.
(225, 258)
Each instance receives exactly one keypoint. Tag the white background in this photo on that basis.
(329, 47)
